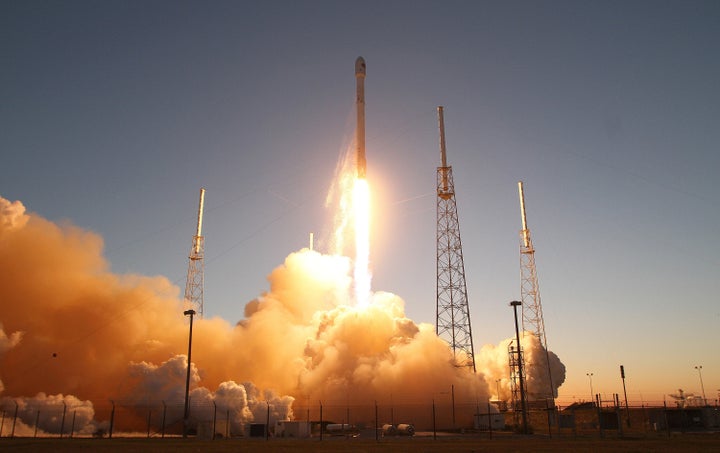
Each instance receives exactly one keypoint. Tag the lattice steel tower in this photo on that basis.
(532, 315)
(516, 364)
(194, 286)
(453, 313)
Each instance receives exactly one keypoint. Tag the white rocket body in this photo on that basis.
(360, 103)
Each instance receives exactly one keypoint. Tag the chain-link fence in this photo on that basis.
(213, 421)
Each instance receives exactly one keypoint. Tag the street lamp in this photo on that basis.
(515, 304)
(702, 386)
(190, 313)
(592, 394)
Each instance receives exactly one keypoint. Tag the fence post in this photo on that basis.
(72, 427)
(267, 421)
(12, 433)
(617, 413)
(163, 421)
(682, 418)
(556, 410)
(433, 414)
(598, 400)
(547, 409)
(214, 418)
(489, 421)
(62, 423)
(112, 419)
(574, 424)
(377, 439)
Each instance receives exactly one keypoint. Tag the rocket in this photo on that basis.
(360, 103)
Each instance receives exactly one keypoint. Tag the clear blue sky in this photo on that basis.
(114, 114)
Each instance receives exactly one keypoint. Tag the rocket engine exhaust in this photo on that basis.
(360, 103)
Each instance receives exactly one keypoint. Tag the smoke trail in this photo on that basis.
(339, 203)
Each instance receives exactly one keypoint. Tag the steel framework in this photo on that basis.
(516, 364)
(194, 286)
(453, 314)
(532, 314)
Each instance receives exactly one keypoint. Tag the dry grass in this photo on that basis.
(681, 443)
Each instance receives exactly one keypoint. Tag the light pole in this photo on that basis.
(627, 408)
(702, 386)
(190, 313)
(515, 304)
(592, 395)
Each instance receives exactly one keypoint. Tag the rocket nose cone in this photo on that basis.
(360, 66)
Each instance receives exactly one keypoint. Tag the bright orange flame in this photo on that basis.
(361, 206)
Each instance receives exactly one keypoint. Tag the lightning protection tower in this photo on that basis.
(453, 314)
(532, 315)
(194, 286)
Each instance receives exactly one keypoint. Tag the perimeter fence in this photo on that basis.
(264, 419)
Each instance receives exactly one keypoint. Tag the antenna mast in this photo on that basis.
(453, 314)
(532, 315)
(194, 286)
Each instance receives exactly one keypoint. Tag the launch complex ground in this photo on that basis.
(446, 444)
(643, 431)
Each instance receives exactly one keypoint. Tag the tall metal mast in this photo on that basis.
(453, 313)
(532, 315)
(195, 283)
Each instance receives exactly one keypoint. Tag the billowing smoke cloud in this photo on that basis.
(43, 414)
(6, 343)
(12, 215)
(72, 331)
(73, 325)
(243, 403)
(494, 363)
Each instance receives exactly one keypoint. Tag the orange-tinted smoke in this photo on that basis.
(80, 329)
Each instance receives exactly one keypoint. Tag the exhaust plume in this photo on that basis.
(494, 364)
(73, 329)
